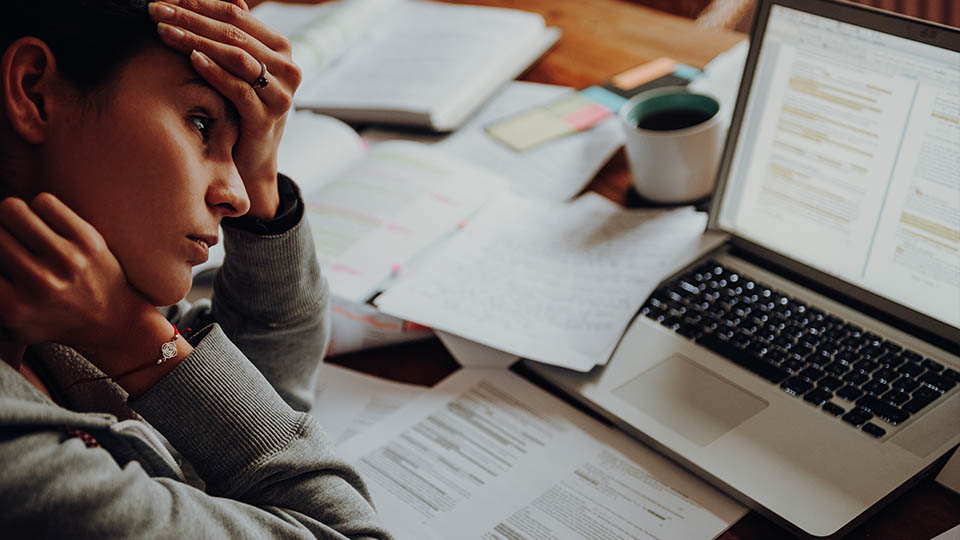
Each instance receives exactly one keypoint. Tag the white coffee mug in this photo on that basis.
(674, 138)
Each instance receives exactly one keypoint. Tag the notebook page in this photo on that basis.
(552, 282)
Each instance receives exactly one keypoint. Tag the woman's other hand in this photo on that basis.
(58, 279)
(226, 47)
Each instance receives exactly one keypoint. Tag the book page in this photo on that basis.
(421, 55)
(487, 455)
(320, 34)
(398, 200)
(552, 282)
(557, 170)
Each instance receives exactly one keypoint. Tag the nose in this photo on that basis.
(226, 194)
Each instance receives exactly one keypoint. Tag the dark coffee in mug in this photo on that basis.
(671, 119)
(672, 111)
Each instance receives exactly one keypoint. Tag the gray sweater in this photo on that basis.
(245, 464)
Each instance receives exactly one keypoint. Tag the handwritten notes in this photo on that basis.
(553, 282)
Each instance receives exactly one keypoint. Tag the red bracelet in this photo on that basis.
(168, 350)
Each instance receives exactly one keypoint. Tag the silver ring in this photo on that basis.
(261, 80)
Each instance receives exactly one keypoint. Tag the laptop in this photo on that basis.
(804, 359)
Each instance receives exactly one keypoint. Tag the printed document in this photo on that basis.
(347, 402)
(486, 455)
(552, 282)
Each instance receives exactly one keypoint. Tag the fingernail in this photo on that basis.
(199, 58)
(170, 31)
(160, 11)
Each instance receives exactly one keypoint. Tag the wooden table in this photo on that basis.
(602, 38)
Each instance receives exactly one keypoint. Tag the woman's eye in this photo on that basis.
(203, 124)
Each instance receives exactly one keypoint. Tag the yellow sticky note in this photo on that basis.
(529, 129)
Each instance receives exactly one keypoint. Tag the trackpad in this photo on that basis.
(690, 400)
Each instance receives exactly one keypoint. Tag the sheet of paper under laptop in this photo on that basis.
(552, 282)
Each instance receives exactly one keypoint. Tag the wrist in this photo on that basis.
(134, 360)
(264, 198)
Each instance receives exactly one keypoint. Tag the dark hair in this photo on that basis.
(90, 39)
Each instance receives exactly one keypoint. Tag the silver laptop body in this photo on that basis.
(839, 189)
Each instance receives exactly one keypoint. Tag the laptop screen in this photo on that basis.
(848, 159)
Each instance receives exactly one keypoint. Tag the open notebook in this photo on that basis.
(415, 63)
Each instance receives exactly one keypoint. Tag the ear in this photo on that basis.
(27, 73)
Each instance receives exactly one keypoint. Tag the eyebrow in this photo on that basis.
(230, 111)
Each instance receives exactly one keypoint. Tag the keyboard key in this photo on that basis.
(850, 393)
(818, 396)
(896, 396)
(833, 409)
(811, 374)
(831, 384)
(760, 367)
(915, 405)
(937, 381)
(856, 377)
(906, 384)
(912, 356)
(837, 368)
(932, 365)
(857, 417)
(884, 411)
(874, 429)
(792, 365)
(893, 360)
(892, 347)
(796, 386)
(874, 352)
(875, 388)
(910, 369)
(955, 375)
(886, 375)
(866, 366)
(925, 393)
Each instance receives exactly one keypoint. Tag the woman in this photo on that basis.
(129, 133)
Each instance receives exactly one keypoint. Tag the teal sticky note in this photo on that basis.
(604, 97)
(686, 72)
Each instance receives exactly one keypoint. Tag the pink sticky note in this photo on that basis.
(587, 117)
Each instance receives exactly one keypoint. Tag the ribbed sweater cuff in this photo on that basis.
(219, 411)
(274, 279)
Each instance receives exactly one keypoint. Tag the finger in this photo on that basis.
(16, 263)
(250, 103)
(65, 222)
(235, 51)
(238, 16)
(215, 30)
(231, 71)
(29, 229)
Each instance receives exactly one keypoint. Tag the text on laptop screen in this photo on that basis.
(848, 159)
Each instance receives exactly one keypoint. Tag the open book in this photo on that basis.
(406, 62)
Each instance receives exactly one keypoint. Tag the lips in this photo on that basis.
(202, 245)
(207, 241)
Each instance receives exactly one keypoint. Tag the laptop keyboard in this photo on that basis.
(827, 362)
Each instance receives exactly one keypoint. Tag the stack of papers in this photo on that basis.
(486, 455)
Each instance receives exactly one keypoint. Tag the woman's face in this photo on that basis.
(151, 169)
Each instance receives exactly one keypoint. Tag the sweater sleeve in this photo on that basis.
(269, 470)
(272, 302)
